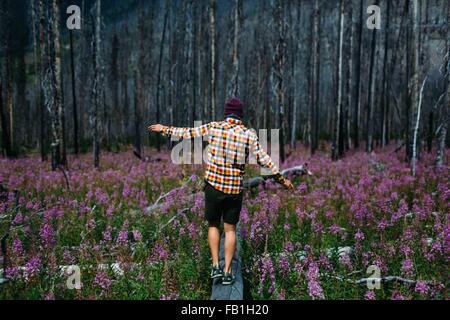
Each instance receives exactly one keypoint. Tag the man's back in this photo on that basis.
(230, 144)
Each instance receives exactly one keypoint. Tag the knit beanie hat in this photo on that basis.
(234, 106)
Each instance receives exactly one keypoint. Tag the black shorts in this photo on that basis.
(219, 204)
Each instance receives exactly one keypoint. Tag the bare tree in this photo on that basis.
(125, 102)
(42, 66)
(278, 70)
(315, 78)
(212, 24)
(372, 91)
(443, 126)
(158, 85)
(414, 80)
(386, 77)
(5, 138)
(336, 149)
(416, 128)
(96, 96)
(6, 146)
(296, 92)
(358, 87)
(233, 89)
(114, 82)
(53, 96)
(139, 80)
(34, 22)
(74, 96)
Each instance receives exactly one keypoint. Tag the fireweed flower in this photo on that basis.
(67, 257)
(315, 291)
(288, 246)
(370, 295)
(407, 267)
(18, 219)
(406, 250)
(137, 235)
(47, 235)
(49, 296)
(32, 267)
(345, 260)
(17, 247)
(397, 296)
(267, 273)
(382, 225)
(12, 273)
(126, 191)
(102, 281)
(421, 287)
(107, 234)
(284, 264)
(101, 196)
(159, 254)
(359, 235)
(122, 238)
(334, 229)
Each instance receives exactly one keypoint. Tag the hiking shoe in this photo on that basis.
(216, 272)
(228, 278)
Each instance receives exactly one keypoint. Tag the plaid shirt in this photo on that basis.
(230, 144)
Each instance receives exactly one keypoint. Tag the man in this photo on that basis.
(230, 144)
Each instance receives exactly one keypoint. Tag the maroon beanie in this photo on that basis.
(234, 106)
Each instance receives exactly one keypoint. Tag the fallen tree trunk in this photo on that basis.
(294, 171)
(387, 279)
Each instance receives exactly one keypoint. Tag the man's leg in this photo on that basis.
(214, 243)
(230, 245)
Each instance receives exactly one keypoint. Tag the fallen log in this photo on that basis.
(387, 279)
(236, 290)
(298, 170)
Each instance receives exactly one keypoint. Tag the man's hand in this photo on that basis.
(156, 128)
(288, 184)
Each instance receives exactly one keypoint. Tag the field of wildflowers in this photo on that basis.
(313, 243)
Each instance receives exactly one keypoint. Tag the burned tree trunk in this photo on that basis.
(443, 127)
(337, 147)
(414, 81)
(233, 88)
(158, 85)
(74, 97)
(4, 126)
(372, 83)
(3, 48)
(54, 87)
(386, 77)
(279, 71)
(42, 69)
(96, 97)
(34, 22)
(212, 24)
(358, 87)
(294, 78)
(139, 82)
(125, 103)
(416, 129)
(59, 99)
(315, 78)
(115, 80)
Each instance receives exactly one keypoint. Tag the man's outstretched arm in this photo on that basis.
(265, 161)
(185, 133)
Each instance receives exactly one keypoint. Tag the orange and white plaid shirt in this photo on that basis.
(230, 144)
